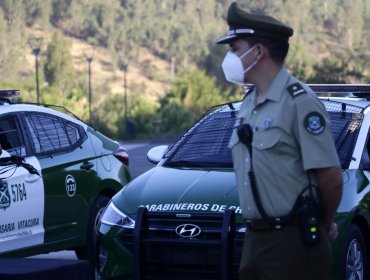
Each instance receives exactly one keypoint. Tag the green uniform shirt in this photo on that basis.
(291, 134)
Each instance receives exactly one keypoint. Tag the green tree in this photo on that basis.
(173, 118)
(196, 91)
(299, 61)
(37, 12)
(142, 113)
(337, 71)
(12, 31)
(98, 26)
(107, 118)
(58, 68)
(61, 10)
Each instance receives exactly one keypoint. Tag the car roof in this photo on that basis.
(22, 107)
(355, 101)
(351, 94)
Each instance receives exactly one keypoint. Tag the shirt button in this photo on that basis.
(261, 145)
(255, 112)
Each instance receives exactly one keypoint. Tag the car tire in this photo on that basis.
(354, 258)
(88, 252)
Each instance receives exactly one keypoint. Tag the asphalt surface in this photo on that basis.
(138, 164)
(137, 151)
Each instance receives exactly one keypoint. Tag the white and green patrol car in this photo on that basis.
(78, 171)
(182, 220)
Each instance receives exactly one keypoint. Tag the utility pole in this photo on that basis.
(35, 44)
(124, 66)
(125, 89)
(89, 59)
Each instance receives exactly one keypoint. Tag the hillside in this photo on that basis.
(104, 73)
(169, 44)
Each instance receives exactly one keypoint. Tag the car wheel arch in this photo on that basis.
(357, 231)
(99, 204)
(364, 227)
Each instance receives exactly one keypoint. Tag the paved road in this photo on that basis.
(138, 164)
(138, 161)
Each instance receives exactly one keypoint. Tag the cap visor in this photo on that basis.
(226, 39)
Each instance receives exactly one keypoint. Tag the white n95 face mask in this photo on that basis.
(233, 67)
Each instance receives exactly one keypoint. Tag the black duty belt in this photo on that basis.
(261, 224)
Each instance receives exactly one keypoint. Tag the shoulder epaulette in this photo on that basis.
(296, 89)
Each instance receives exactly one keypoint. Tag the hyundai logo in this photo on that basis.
(188, 230)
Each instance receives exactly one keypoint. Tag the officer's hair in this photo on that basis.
(278, 49)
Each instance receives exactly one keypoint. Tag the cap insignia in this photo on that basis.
(240, 31)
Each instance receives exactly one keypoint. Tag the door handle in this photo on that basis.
(87, 165)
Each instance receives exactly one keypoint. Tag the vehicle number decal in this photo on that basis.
(71, 186)
(18, 192)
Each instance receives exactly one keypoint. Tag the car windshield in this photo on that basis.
(205, 145)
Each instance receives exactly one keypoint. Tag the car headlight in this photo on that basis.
(114, 217)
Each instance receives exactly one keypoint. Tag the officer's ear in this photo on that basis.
(261, 50)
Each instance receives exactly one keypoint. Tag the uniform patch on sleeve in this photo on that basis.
(295, 89)
(314, 123)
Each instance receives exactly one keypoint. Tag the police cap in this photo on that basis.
(243, 24)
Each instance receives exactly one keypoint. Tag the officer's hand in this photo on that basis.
(333, 231)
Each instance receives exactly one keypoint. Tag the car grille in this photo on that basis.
(160, 253)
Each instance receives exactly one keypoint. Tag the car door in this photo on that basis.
(69, 171)
(21, 193)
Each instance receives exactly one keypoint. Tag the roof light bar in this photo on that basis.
(341, 88)
(9, 93)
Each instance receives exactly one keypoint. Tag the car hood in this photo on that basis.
(175, 189)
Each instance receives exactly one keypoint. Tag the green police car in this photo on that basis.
(78, 171)
(182, 220)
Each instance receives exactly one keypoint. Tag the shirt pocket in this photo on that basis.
(268, 139)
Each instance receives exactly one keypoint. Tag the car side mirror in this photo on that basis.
(156, 154)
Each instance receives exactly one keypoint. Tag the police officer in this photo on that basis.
(282, 137)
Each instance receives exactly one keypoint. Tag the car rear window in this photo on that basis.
(51, 134)
(206, 143)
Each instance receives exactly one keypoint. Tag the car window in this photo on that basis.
(345, 121)
(51, 134)
(11, 135)
(206, 143)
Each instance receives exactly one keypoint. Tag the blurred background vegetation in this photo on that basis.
(166, 51)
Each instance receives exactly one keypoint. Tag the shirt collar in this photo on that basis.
(278, 85)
